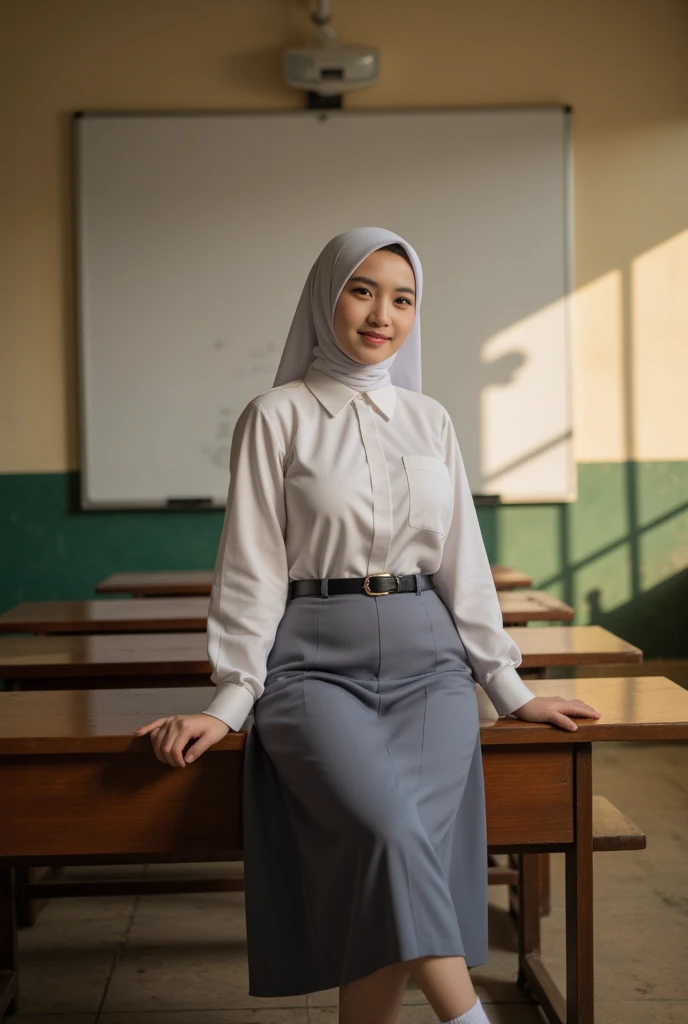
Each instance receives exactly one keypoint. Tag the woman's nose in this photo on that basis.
(380, 313)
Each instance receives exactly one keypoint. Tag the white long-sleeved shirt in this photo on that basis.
(327, 481)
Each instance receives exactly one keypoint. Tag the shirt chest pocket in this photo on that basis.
(431, 495)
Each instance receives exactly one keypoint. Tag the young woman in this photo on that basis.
(352, 609)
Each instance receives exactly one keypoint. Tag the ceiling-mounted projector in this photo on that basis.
(332, 71)
(326, 67)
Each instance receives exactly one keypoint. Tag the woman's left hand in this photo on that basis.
(555, 710)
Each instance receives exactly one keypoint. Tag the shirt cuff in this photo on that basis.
(507, 691)
(231, 704)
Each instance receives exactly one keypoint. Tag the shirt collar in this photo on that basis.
(334, 396)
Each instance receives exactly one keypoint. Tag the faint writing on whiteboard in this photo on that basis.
(260, 365)
(218, 451)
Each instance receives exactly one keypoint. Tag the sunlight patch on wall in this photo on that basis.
(659, 302)
(598, 405)
(525, 410)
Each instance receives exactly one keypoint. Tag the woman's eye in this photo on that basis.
(364, 291)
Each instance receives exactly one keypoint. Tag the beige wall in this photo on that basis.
(622, 64)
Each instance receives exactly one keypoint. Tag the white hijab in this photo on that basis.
(312, 341)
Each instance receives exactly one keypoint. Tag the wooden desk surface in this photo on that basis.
(189, 614)
(97, 721)
(184, 654)
(157, 614)
(522, 606)
(190, 583)
(552, 646)
(506, 578)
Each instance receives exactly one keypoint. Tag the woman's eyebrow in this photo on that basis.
(373, 284)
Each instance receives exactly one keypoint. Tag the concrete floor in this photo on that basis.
(174, 959)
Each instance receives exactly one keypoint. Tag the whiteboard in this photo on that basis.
(195, 233)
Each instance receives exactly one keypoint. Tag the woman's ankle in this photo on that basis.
(476, 1015)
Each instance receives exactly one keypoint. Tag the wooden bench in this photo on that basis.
(197, 583)
(538, 791)
(190, 614)
(611, 830)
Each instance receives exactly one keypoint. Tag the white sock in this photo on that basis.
(476, 1015)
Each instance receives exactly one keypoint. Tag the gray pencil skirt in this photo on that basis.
(364, 806)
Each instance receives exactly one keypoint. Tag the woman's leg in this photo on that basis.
(377, 998)
(445, 983)
(374, 999)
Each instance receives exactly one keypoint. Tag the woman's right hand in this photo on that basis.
(171, 735)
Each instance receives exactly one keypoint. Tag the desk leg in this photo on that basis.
(528, 917)
(580, 986)
(29, 909)
(543, 885)
(9, 991)
(543, 868)
(543, 863)
(534, 979)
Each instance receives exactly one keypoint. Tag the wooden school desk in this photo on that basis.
(519, 607)
(506, 578)
(188, 583)
(189, 614)
(70, 768)
(180, 659)
(177, 659)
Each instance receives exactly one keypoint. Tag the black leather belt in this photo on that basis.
(377, 584)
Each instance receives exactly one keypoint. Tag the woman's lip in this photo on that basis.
(375, 338)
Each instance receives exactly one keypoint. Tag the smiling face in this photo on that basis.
(376, 309)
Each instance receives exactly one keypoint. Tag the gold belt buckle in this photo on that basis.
(379, 593)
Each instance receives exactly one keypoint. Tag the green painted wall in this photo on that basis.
(618, 554)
